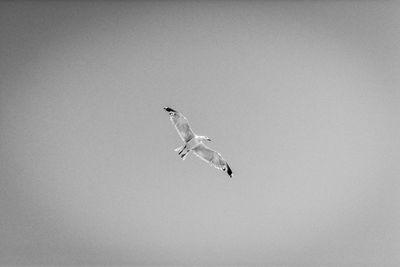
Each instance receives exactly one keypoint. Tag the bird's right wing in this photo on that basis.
(212, 157)
(181, 124)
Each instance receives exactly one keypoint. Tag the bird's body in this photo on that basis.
(195, 143)
(192, 143)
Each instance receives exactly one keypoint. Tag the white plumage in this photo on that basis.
(195, 143)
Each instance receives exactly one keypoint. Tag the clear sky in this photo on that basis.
(301, 98)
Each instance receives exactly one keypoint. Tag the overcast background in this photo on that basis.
(301, 98)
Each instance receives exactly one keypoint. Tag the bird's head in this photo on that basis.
(204, 138)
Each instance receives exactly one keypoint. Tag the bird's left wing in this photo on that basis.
(212, 157)
(181, 124)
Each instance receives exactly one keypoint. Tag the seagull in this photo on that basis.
(195, 143)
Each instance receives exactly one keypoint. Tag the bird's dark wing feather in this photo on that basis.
(212, 157)
(181, 124)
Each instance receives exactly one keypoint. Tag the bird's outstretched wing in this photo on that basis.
(212, 157)
(181, 124)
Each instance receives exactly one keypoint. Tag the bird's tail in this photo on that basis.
(185, 155)
(178, 148)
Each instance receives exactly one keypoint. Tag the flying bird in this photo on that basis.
(195, 143)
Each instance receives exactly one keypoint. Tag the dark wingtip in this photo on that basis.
(229, 171)
(168, 109)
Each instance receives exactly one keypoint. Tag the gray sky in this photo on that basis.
(301, 98)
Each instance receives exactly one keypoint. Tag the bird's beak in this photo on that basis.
(208, 139)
